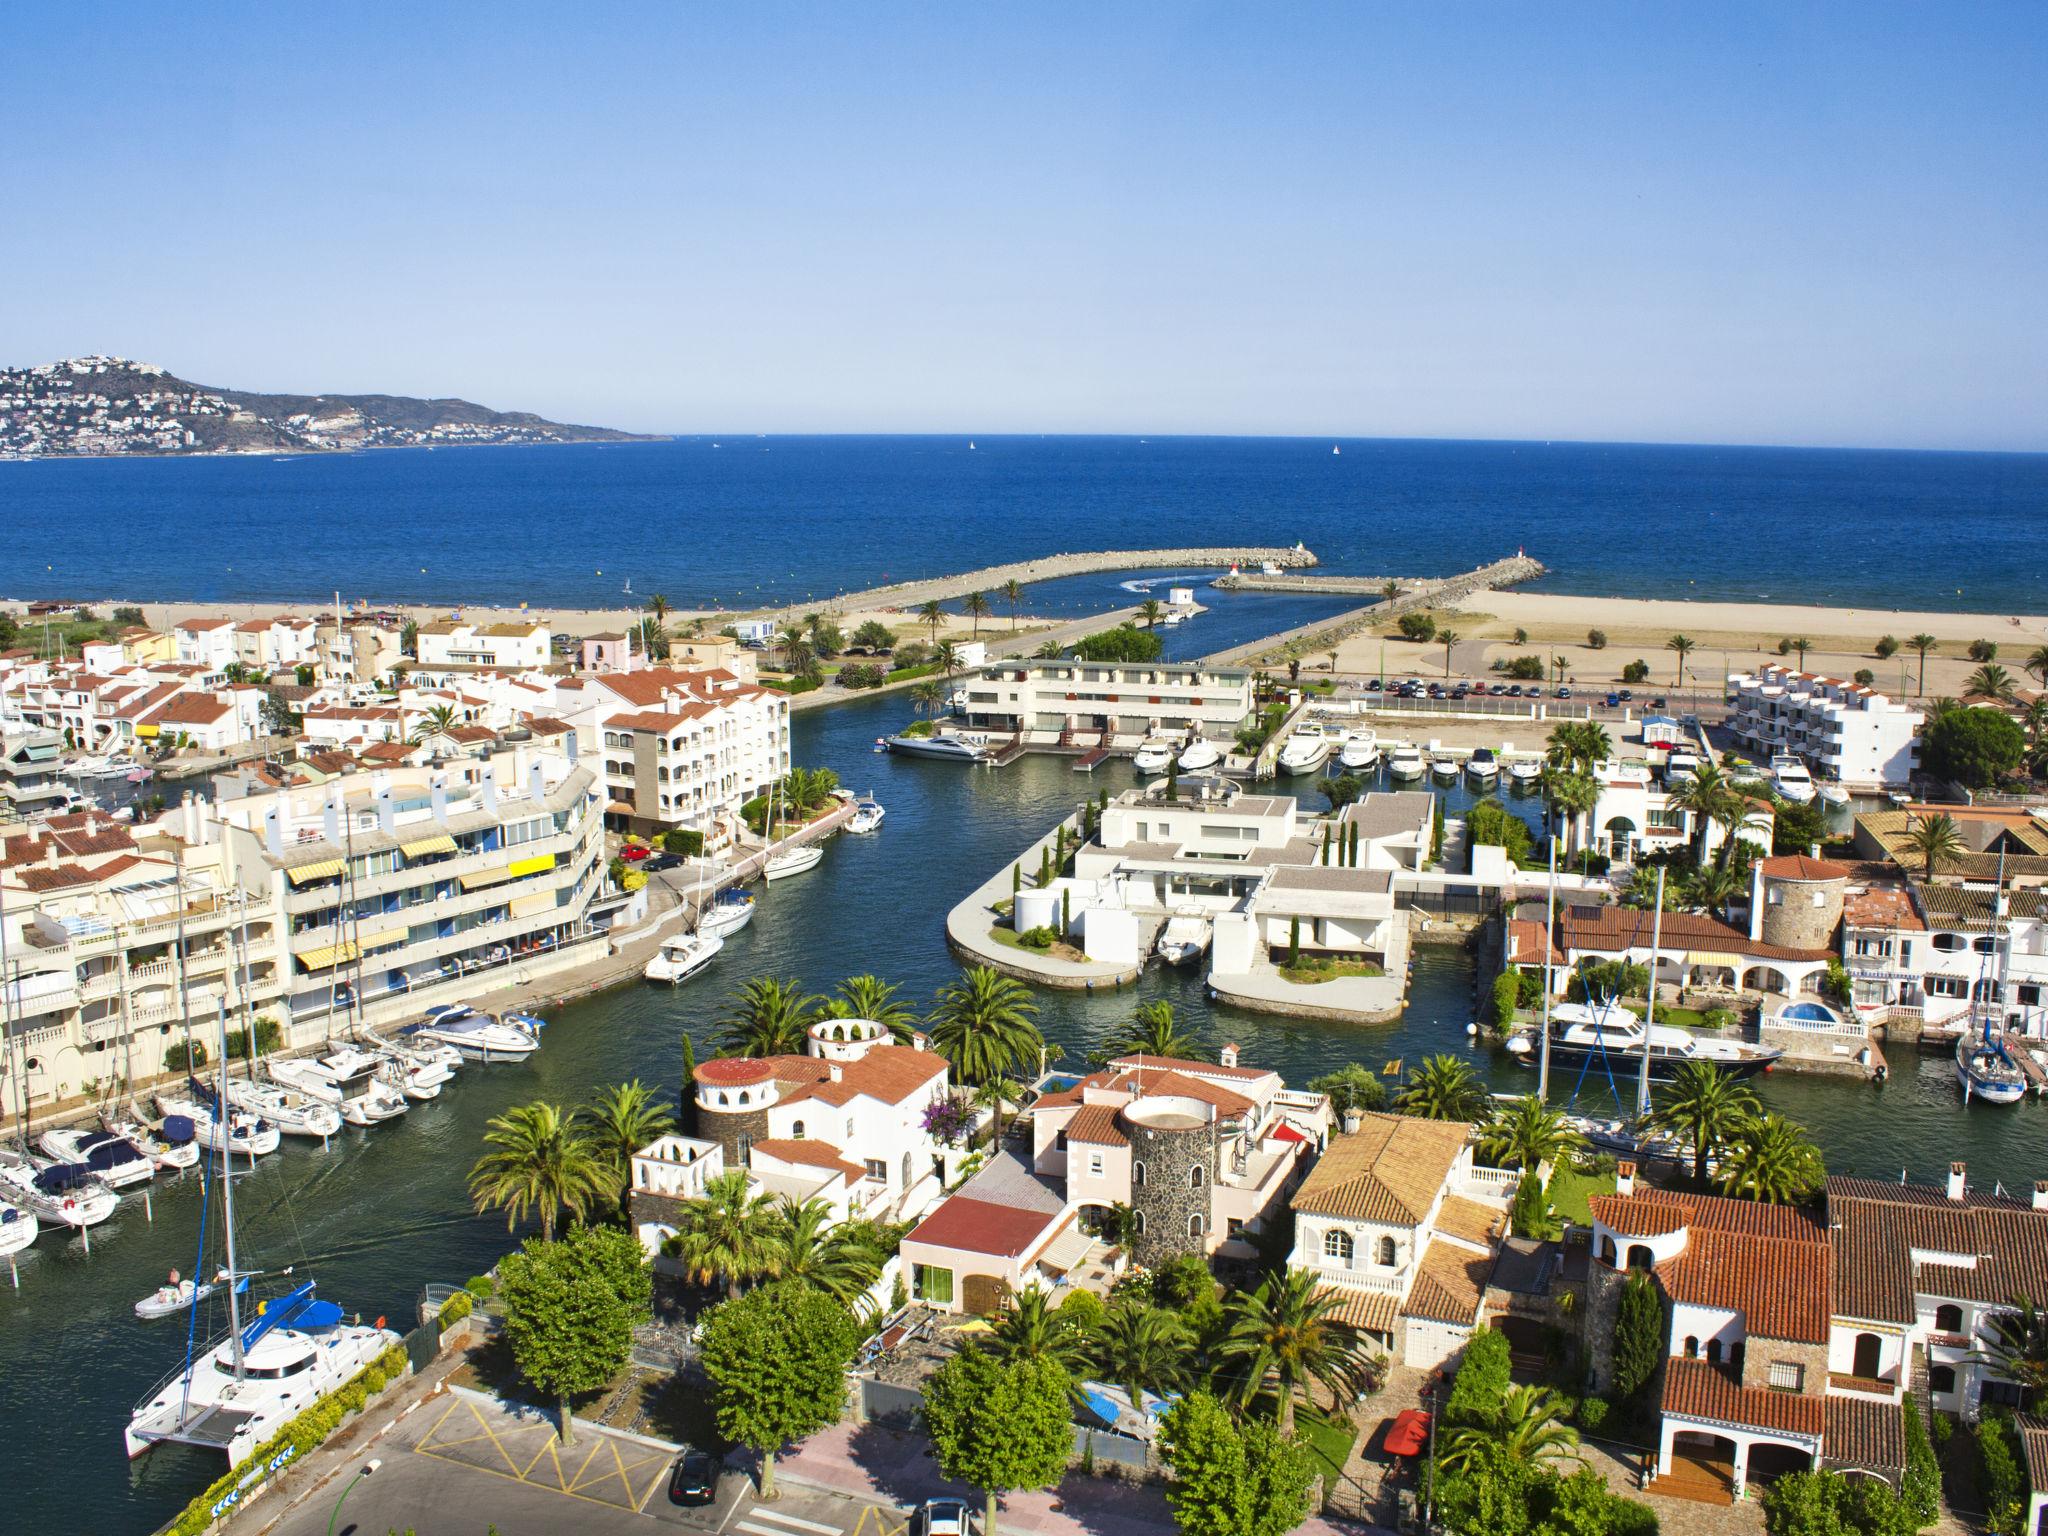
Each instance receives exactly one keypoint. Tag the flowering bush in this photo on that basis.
(947, 1121)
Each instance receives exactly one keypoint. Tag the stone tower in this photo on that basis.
(1175, 1142)
(733, 1096)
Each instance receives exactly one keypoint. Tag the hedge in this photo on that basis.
(298, 1436)
(454, 1310)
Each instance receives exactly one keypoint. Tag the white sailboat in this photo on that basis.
(726, 916)
(18, 1228)
(60, 1194)
(114, 1160)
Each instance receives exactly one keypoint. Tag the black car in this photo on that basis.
(663, 861)
(1372, 685)
(694, 1480)
(1624, 695)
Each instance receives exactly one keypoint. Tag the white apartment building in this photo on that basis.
(269, 645)
(1951, 951)
(1124, 698)
(1845, 732)
(678, 749)
(208, 643)
(509, 647)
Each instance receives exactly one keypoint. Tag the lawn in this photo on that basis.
(1006, 936)
(1570, 1191)
(1310, 969)
(1329, 1439)
(1677, 1018)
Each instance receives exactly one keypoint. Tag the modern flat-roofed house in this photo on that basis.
(511, 646)
(1058, 695)
(207, 642)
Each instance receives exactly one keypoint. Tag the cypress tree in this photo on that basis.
(1638, 1337)
(1066, 913)
(1293, 940)
(1016, 880)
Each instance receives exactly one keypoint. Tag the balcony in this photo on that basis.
(1863, 1386)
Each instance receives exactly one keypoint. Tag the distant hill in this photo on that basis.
(112, 405)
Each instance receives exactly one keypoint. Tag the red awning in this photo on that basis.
(1285, 1132)
(1408, 1435)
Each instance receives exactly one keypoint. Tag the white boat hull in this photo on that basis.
(18, 1228)
(1199, 756)
(723, 919)
(795, 862)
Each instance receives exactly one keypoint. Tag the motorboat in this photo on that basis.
(1790, 780)
(1582, 1033)
(792, 861)
(1681, 767)
(1184, 939)
(1199, 755)
(1155, 755)
(342, 1072)
(867, 816)
(62, 1194)
(952, 746)
(682, 956)
(250, 1382)
(1444, 768)
(174, 1297)
(419, 1077)
(1304, 751)
(18, 1228)
(378, 1102)
(1361, 750)
(1525, 772)
(238, 1130)
(475, 1035)
(114, 1160)
(1986, 1069)
(170, 1145)
(726, 916)
(1406, 761)
(293, 1111)
(1834, 794)
(1482, 767)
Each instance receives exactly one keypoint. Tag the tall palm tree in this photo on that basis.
(1936, 841)
(625, 1118)
(1531, 1428)
(1447, 638)
(1527, 1134)
(1389, 591)
(1923, 644)
(1143, 1349)
(1717, 888)
(1990, 681)
(1572, 797)
(982, 1024)
(932, 614)
(1154, 1030)
(768, 1018)
(1033, 1329)
(2017, 1349)
(653, 637)
(948, 658)
(808, 1249)
(1712, 800)
(2037, 664)
(1705, 1106)
(1013, 594)
(1443, 1088)
(1802, 645)
(1150, 611)
(928, 693)
(438, 721)
(727, 1234)
(1282, 1340)
(867, 996)
(976, 605)
(657, 605)
(1771, 1160)
(1684, 645)
(540, 1163)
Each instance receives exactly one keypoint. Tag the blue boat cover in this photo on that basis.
(278, 1314)
(178, 1129)
(107, 1152)
(59, 1177)
(1105, 1407)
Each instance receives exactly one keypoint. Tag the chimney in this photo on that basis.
(1955, 1181)
(918, 1041)
(1352, 1120)
(1624, 1178)
(92, 825)
(1228, 1055)
(837, 1072)
(2041, 1194)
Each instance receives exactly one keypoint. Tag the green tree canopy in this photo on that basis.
(539, 1161)
(570, 1307)
(1232, 1479)
(1126, 642)
(1352, 1086)
(1638, 1336)
(999, 1425)
(777, 1360)
(1972, 747)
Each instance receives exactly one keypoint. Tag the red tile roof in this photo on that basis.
(1609, 930)
(810, 1154)
(1799, 866)
(1771, 1263)
(1096, 1125)
(979, 1226)
(1863, 1433)
(1694, 1389)
(1876, 1226)
(194, 709)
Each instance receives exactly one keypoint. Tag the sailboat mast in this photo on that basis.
(1650, 1014)
(227, 1197)
(1549, 943)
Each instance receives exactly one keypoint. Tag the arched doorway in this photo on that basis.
(1769, 1462)
(1620, 836)
(1704, 1462)
(1869, 1355)
(1763, 978)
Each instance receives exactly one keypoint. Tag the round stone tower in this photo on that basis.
(733, 1096)
(1799, 899)
(1174, 1141)
(846, 1039)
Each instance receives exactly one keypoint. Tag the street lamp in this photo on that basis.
(361, 1472)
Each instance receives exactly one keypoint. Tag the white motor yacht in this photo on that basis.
(1155, 755)
(793, 861)
(342, 1072)
(1790, 779)
(1185, 938)
(1200, 755)
(1482, 767)
(682, 956)
(1525, 772)
(18, 1228)
(1444, 768)
(1581, 1032)
(1305, 751)
(867, 816)
(417, 1076)
(114, 1160)
(292, 1111)
(1361, 750)
(1836, 795)
(238, 1129)
(62, 1194)
(726, 916)
(476, 1035)
(1406, 761)
(378, 1102)
(953, 747)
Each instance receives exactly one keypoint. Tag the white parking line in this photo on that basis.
(784, 1520)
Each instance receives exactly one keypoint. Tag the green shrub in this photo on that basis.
(1038, 938)
(454, 1310)
(1636, 672)
(1596, 639)
(185, 1056)
(1126, 642)
(269, 1035)
(1921, 1486)
(2003, 1476)
(1865, 678)
(1482, 1380)
(1507, 993)
(1593, 1413)
(1887, 648)
(1418, 626)
(1526, 669)
(686, 842)
(480, 1286)
(854, 675)
(1983, 650)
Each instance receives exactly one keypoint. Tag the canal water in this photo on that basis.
(380, 1213)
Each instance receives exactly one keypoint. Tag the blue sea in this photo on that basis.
(744, 521)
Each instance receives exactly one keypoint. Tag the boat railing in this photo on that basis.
(176, 1372)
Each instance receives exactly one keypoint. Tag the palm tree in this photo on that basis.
(927, 693)
(1390, 591)
(933, 615)
(1717, 888)
(1528, 1134)
(1577, 745)
(1990, 681)
(1936, 841)
(408, 637)
(807, 1249)
(1572, 796)
(1150, 611)
(1143, 1349)
(1283, 1340)
(1443, 1088)
(1448, 638)
(948, 658)
(541, 1163)
(1705, 1106)
(653, 637)
(2017, 1349)
(1712, 800)
(982, 1023)
(1013, 594)
(768, 1018)
(1154, 1030)
(2037, 664)
(1684, 645)
(1771, 1160)
(1531, 1428)
(1802, 645)
(438, 721)
(727, 1234)
(625, 1118)
(867, 996)
(1923, 644)
(658, 606)
(1034, 1329)
(976, 604)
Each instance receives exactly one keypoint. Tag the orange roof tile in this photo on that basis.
(1694, 1389)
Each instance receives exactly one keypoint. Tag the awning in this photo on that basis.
(324, 959)
(1711, 957)
(147, 731)
(320, 869)
(383, 940)
(39, 992)
(531, 865)
(476, 880)
(537, 901)
(1066, 1252)
(440, 842)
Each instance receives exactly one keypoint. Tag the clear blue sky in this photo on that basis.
(1679, 222)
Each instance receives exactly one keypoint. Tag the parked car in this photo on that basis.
(1514, 690)
(1372, 685)
(694, 1480)
(1658, 703)
(1614, 701)
(633, 853)
(1498, 690)
(1625, 695)
(942, 1517)
(663, 861)
(1564, 693)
